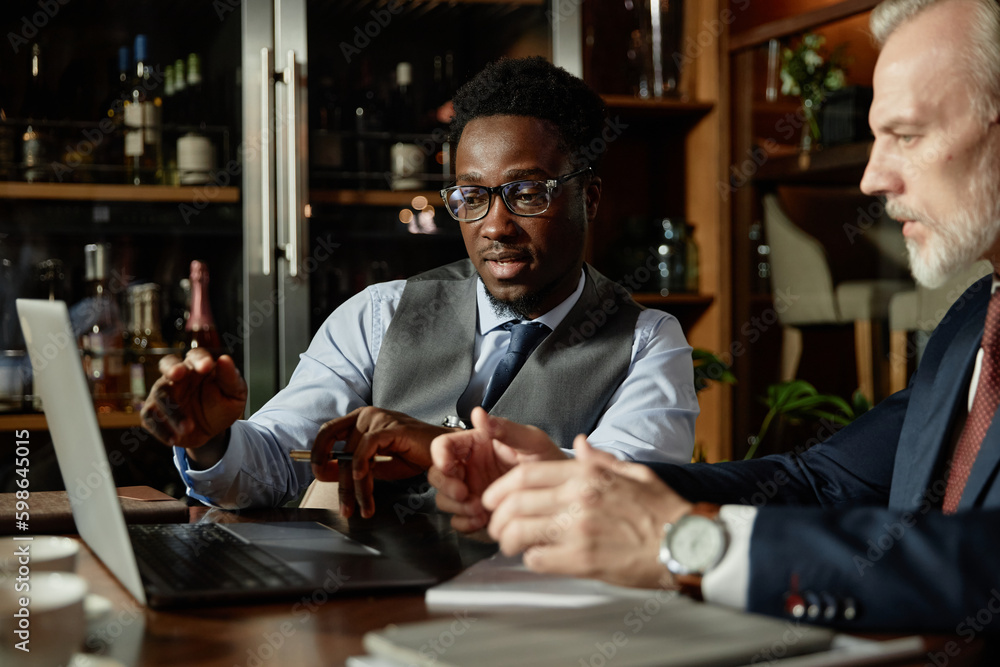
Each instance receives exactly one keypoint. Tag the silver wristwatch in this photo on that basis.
(695, 543)
(454, 421)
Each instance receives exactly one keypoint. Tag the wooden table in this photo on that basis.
(322, 630)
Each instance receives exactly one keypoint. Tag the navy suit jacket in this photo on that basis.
(857, 518)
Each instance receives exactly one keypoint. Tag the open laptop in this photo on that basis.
(189, 564)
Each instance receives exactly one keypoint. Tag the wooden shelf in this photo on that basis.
(835, 165)
(662, 106)
(657, 300)
(119, 193)
(793, 25)
(373, 197)
(36, 422)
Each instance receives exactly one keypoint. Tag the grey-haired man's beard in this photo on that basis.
(956, 243)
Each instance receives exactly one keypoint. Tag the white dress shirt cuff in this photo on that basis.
(728, 582)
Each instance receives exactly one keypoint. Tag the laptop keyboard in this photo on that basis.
(194, 557)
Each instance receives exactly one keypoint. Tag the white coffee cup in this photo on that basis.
(42, 553)
(41, 619)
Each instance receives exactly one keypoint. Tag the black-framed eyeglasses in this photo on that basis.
(469, 203)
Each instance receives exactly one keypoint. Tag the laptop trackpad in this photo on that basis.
(300, 540)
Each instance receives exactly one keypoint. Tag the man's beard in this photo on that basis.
(522, 306)
(954, 244)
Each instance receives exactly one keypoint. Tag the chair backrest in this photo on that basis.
(800, 274)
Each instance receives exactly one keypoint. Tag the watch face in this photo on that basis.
(696, 543)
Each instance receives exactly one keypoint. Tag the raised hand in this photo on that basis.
(193, 403)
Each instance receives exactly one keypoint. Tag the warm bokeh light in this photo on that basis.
(419, 202)
(406, 216)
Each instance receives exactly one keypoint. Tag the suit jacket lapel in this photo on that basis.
(926, 435)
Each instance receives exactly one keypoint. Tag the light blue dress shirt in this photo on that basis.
(650, 417)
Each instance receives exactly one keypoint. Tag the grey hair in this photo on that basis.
(982, 56)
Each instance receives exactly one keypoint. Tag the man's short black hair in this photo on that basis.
(536, 88)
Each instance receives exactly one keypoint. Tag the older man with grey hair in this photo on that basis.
(894, 522)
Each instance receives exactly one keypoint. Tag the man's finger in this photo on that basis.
(329, 434)
(451, 449)
(452, 485)
(535, 475)
(469, 524)
(525, 532)
(364, 493)
(524, 504)
(345, 491)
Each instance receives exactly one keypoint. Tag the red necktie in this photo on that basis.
(984, 405)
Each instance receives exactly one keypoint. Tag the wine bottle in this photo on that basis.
(101, 342)
(200, 327)
(36, 140)
(140, 163)
(146, 345)
(195, 152)
(120, 92)
(406, 157)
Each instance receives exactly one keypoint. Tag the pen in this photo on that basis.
(306, 455)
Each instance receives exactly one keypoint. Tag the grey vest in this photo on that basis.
(426, 358)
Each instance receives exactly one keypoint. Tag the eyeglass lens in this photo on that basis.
(471, 202)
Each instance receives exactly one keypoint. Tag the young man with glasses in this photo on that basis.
(522, 327)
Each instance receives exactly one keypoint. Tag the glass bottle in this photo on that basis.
(36, 139)
(691, 259)
(140, 163)
(101, 341)
(671, 253)
(406, 157)
(200, 327)
(146, 344)
(195, 152)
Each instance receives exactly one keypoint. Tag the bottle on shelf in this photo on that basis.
(99, 317)
(112, 146)
(200, 327)
(406, 157)
(671, 253)
(145, 341)
(14, 366)
(691, 259)
(36, 140)
(195, 152)
(140, 120)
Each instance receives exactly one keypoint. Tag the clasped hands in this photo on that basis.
(592, 516)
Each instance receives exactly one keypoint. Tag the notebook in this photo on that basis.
(660, 630)
(255, 561)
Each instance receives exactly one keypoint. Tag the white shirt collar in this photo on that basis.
(489, 320)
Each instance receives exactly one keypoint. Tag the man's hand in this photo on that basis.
(194, 402)
(369, 431)
(467, 462)
(593, 517)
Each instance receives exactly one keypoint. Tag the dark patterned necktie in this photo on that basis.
(984, 405)
(524, 338)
